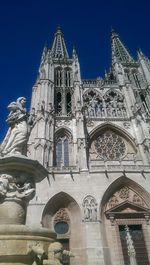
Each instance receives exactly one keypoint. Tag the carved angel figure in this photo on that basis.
(17, 135)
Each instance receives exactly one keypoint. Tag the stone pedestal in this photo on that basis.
(17, 242)
(20, 244)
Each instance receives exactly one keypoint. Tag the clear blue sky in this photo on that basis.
(25, 26)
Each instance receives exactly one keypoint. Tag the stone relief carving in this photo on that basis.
(125, 194)
(61, 216)
(137, 200)
(20, 187)
(17, 136)
(113, 201)
(90, 209)
(127, 125)
(55, 254)
(110, 105)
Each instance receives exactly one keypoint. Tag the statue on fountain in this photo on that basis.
(16, 138)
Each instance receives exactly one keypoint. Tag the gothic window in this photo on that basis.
(58, 77)
(68, 102)
(58, 102)
(110, 146)
(62, 152)
(67, 77)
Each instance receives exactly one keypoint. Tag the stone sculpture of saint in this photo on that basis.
(16, 138)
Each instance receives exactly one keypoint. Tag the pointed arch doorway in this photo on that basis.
(125, 203)
(62, 214)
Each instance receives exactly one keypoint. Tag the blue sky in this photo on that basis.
(26, 25)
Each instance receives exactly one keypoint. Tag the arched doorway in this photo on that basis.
(126, 204)
(62, 214)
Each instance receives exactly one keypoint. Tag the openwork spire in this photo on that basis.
(119, 52)
(59, 49)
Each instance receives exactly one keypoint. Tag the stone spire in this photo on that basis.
(59, 49)
(145, 65)
(119, 51)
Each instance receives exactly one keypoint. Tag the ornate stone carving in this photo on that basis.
(90, 209)
(19, 187)
(55, 254)
(36, 250)
(113, 201)
(110, 146)
(61, 216)
(124, 193)
(137, 199)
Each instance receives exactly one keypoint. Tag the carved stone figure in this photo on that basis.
(36, 250)
(90, 209)
(16, 138)
(17, 135)
(55, 254)
(16, 187)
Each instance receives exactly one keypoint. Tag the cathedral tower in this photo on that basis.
(93, 138)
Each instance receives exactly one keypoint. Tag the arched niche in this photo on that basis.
(63, 148)
(125, 203)
(64, 206)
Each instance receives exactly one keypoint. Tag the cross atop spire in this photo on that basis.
(59, 49)
(119, 51)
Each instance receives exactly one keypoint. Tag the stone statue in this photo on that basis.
(17, 187)
(55, 254)
(16, 138)
(36, 250)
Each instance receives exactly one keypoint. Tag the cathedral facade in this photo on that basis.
(93, 138)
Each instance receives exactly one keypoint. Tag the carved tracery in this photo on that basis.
(110, 105)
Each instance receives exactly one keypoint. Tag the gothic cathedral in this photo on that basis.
(93, 137)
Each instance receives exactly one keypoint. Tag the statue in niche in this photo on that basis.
(90, 209)
(16, 138)
(138, 112)
(146, 145)
(55, 254)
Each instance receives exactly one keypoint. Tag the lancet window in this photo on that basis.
(62, 151)
(67, 77)
(58, 77)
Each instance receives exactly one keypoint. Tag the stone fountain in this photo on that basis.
(19, 244)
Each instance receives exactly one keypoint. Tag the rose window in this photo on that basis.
(110, 146)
